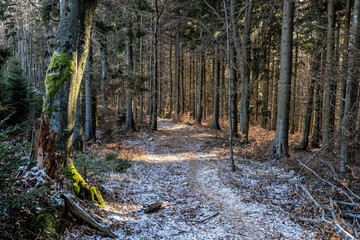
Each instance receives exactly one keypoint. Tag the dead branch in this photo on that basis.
(348, 204)
(205, 219)
(311, 158)
(78, 211)
(342, 232)
(326, 181)
(308, 194)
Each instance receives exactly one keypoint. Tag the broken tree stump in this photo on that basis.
(44, 149)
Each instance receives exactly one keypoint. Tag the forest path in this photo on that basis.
(187, 169)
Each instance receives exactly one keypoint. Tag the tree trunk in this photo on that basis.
(129, 123)
(177, 73)
(155, 73)
(89, 131)
(280, 145)
(170, 79)
(141, 64)
(245, 76)
(103, 75)
(345, 59)
(352, 82)
(330, 87)
(315, 67)
(63, 81)
(215, 121)
(200, 89)
(229, 85)
(293, 107)
(182, 82)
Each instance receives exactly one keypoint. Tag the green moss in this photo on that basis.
(49, 109)
(60, 69)
(81, 188)
(45, 221)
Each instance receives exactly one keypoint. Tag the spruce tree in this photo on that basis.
(19, 92)
(4, 93)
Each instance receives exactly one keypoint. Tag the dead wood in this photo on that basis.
(44, 150)
(153, 207)
(79, 212)
(205, 219)
(336, 225)
(308, 194)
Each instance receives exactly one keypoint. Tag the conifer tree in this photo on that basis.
(19, 92)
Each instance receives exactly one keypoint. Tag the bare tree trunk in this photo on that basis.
(89, 131)
(279, 148)
(315, 67)
(160, 87)
(215, 121)
(222, 87)
(330, 87)
(200, 88)
(103, 75)
(149, 74)
(129, 124)
(155, 73)
(141, 63)
(182, 80)
(345, 59)
(177, 73)
(234, 95)
(351, 104)
(293, 107)
(230, 90)
(170, 78)
(245, 77)
(275, 96)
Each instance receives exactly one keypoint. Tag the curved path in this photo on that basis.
(186, 168)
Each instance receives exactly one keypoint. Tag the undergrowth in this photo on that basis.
(27, 209)
(92, 168)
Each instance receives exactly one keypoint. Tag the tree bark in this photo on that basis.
(245, 76)
(215, 121)
(293, 107)
(200, 88)
(89, 130)
(155, 92)
(170, 77)
(330, 87)
(103, 74)
(129, 123)
(315, 67)
(177, 73)
(279, 148)
(352, 82)
(345, 60)
(63, 81)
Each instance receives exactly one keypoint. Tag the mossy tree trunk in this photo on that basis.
(63, 81)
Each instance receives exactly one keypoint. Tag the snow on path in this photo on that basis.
(193, 185)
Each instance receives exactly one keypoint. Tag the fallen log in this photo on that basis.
(79, 212)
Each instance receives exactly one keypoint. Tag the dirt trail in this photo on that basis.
(186, 168)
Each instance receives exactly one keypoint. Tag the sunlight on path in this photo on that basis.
(193, 186)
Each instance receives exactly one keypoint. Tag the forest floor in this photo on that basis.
(187, 169)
